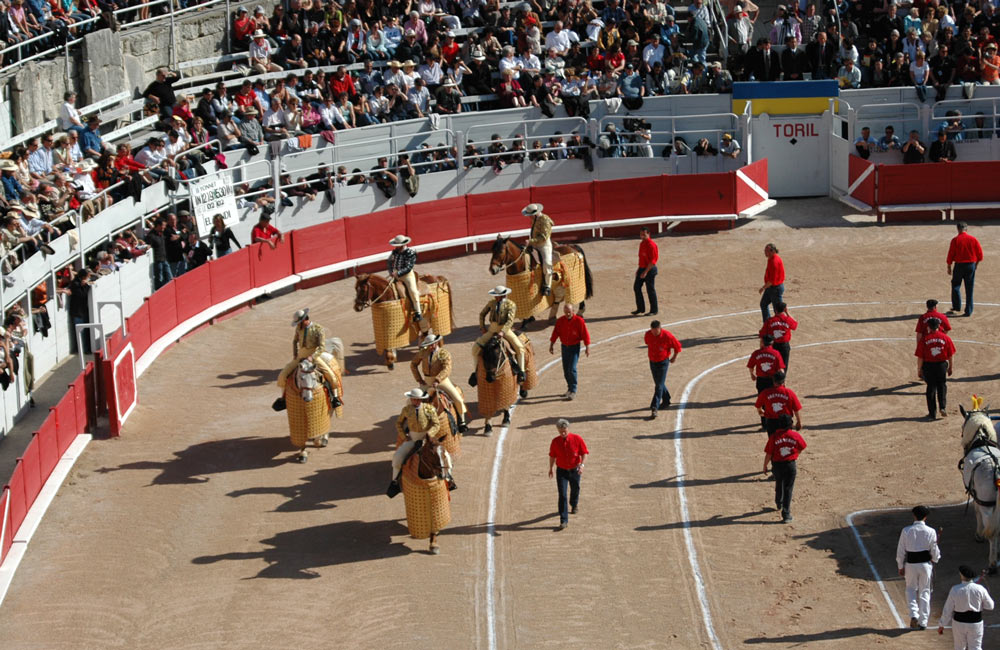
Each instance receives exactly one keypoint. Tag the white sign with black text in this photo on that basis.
(212, 195)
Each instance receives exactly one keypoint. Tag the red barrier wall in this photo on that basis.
(370, 234)
(629, 198)
(567, 203)
(757, 172)
(437, 220)
(319, 245)
(974, 182)
(162, 306)
(193, 294)
(865, 191)
(17, 507)
(919, 183)
(269, 265)
(699, 194)
(5, 525)
(48, 445)
(498, 211)
(67, 427)
(229, 276)
(138, 329)
(32, 473)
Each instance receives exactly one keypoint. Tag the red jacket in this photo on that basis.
(570, 331)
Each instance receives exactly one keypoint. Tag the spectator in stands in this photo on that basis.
(197, 253)
(62, 155)
(793, 60)
(128, 166)
(41, 160)
(222, 237)
(79, 305)
(161, 90)
(953, 125)
(820, 55)
(913, 149)
(243, 27)
(864, 145)
(942, 149)
(12, 188)
(206, 110)
(153, 158)
(448, 97)
(273, 122)
(292, 55)
(265, 233)
(990, 64)
(157, 241)
(942, 72)
(730, 147)
(657, 81)
(981, 131)
(920, 75)
(176, 244)
(69, 117)
(260, 54)
(510, 92)
(785, 25)
(763, 63)
(849, 75)
(91, 144)
(384, 178)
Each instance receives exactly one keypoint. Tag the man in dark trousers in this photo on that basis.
(645, 275)
(793, 60)
(763, 62)
(965, 253)
(567, 452)
(779, 327)
(660, 345)
(931, 312)
(157, 240)
(935, 360)
(571, 331)
(942, 149)
(764, 363)
(782, 450)
(776, 401)
(819, 56)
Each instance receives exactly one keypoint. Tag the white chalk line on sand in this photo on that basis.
(679, 467)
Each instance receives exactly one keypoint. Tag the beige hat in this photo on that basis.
(249, 110)
(408, 63)
(498, 291)
(416, 393)
(300, 316)
(400, 240)
(727, 136)
(394, 64)
(7, 165)
(86, 165)
(430, 340)
(532, 209)
(259, 34)
(477, 55)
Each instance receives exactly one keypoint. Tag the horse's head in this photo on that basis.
(431, 463)
(305, 380)
(362, 291)
(498, 255)
(493, 358)
(977, 425)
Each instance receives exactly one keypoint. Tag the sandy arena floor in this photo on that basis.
(194, 531)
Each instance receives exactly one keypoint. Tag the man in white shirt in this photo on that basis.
(274, 122)
(40, 160)
(430, 71)
(653, 52)
(916, 553)
(69, 117)
(419, 96)
(558, 39)
(151, 156)
(529, 63)
(331, 115)
(964, 610)
(260, 54)
(394, 76)
(729, 147)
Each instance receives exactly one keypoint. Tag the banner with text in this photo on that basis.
(213, 195)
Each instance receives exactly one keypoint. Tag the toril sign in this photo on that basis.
(793, 130)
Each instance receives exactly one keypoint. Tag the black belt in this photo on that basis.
(969, 617)
(918, 557)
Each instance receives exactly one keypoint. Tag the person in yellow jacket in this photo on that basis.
(431, 367)
(497, 317)
(417, 421)
(540, 239)
(309, 342)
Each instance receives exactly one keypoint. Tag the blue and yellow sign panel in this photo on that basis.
(784, 97)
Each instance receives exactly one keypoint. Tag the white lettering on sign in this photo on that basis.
(793, 130)
(213, 195)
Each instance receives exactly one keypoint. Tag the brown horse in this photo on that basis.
(371, 288)
(509, 256)
(429, 466)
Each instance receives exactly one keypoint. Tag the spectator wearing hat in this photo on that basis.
(942, 149)
(260, 54)
(410, 49)
(989, 65)
(449, 98)
(243, 27)
(730, 146)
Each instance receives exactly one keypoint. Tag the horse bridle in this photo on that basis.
(516, 259)
(370, 301)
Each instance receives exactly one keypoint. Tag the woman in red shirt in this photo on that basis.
(774, 282)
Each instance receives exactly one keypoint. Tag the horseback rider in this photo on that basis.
(309, 342)
(540, 239)
(431, 367)
(417, 421)
(402, 261)
(501, 312)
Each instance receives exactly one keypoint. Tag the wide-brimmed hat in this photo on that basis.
(14, 207)
(8, 165)
(249, 110)
(400, 240)
(259, 34)
(448, 83)
(430, 340)
(394, 64)
(532, 209)
(409, 32)
(498, 291)
(416, 393)
(991, 46)
(86, 165)
(477, 55)
(408, 63)
(300, 316)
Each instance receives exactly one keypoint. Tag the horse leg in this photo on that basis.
(506, 417)
(488, 429)
(390, 359)
(992, 570)
(435, 549)
(302, 456)
(583, 307)
(323, 440)
(980, 524)
(553, 310)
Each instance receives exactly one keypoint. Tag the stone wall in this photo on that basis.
(109, 62)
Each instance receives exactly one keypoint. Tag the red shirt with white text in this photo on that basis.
(765, 362)
(934, 347)
(784, 445)
(779, 327)
(778, 401)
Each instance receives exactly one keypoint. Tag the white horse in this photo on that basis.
(981, 473)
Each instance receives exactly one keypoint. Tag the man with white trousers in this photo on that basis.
(964, 610)
(916, 554)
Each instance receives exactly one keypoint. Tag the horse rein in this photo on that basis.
(371, 301)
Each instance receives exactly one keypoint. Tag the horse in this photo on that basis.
(427, 458)
(512, 257)
(496, 381)
(308, 400)
(371, 288)
(448, 419)
(980, 468)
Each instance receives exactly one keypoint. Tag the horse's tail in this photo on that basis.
(451, 298)
(588, 278)
(336, 346)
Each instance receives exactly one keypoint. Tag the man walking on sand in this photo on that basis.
(567, 452)
(965, 253)
(660, 345)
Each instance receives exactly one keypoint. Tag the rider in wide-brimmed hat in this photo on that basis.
(541, 240)
(309, 342)
(500, 312)
(431, 367)
(417, 421)
(402, 262)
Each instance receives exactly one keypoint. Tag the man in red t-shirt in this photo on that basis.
(645, 275)
(774, 282)
(265, 233)
(571, 330)
(777, 401)
(763, 363)
(935, 353)
(782, 449)
(931, 312)
(966, 254)
(779, 327)
(660, 345)
(567, 451)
